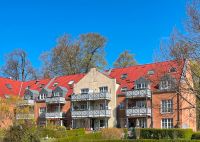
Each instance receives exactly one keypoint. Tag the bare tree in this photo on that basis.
(92, 50)
(18, 66)
(74, 56)
(186, 46)
(125, 59)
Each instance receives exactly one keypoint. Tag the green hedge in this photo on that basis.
(150, 133)
(53, 133)
(141, 140)
(86, 137)
(196, 136)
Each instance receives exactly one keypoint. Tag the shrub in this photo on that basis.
(21, 133)
(83, 138)
(59, 133)
(196, 136)
(112, 133)
(150, 133)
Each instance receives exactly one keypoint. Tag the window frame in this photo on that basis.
(166, 106)
(168, 124)
(123, 90)
(103, 89)
(84, 90)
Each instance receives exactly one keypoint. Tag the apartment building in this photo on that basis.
(151, 94)
(94, 101)
(51, 100)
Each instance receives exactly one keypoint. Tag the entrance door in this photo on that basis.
(92, 123)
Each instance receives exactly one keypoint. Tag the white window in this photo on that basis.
(42, 96)
(124, 76)
(42, 110)
(165, 84)
(141, 104)
(121, 106)
(167, 122)
(166, 106)
(84, 91)
(141, 86)
(102, 123)
(124, 89)
(103, 89)
(56, 94)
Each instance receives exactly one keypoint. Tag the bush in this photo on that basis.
(21, 133)
(59, 132)
(83, 138)
(112, 133)
(141, 140)
(150, 133)
(196, 136)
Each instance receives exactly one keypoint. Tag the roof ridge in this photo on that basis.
(145, 64)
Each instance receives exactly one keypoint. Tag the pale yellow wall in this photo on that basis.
(95, 79)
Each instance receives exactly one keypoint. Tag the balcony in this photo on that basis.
(42, 115)
(54, 115)
(24, 116)
(56, 100)
(138, 112)
(90, 113)
(26, 103)
(91, 96)
(138, 93)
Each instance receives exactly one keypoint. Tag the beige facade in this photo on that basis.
(94, 101)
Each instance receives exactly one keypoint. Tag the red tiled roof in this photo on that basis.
(137, 71)
(63, 82)
(9, 87)
(133, 73)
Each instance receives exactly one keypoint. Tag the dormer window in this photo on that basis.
(124, 76)
(55, 84)
(173, 69)
(42, 96)
(150, 72)
(41, 85)
(141, 86)
(165, 84)
(142, 83)
(124, 89)
(56, 94)
(71, 82)
(84, 91)
(9, 86)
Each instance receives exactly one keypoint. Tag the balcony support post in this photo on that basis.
(146, 112)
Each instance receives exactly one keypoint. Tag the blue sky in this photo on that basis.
(135, 25)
